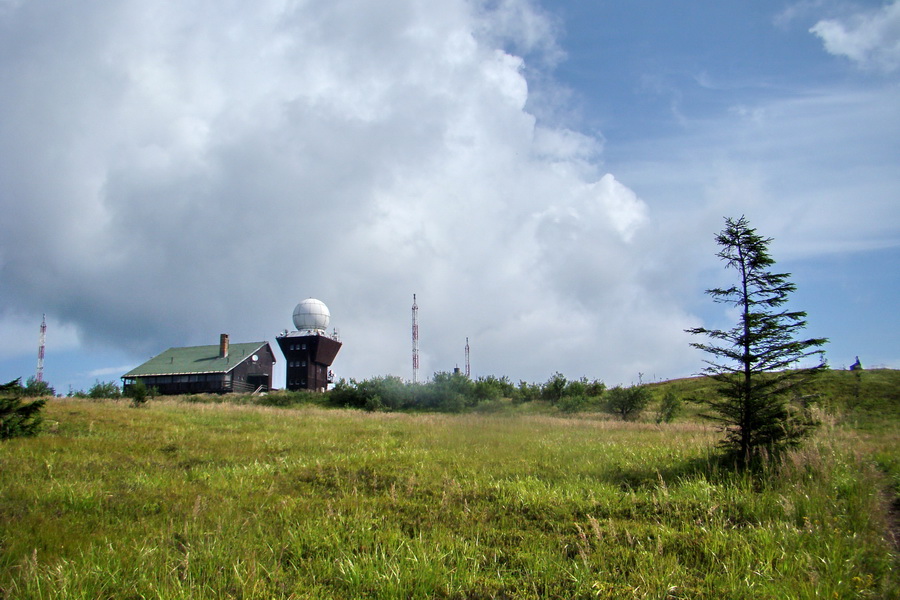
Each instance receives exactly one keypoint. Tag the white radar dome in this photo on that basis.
(311, 314)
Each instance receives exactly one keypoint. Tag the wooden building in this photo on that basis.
(309, 356)
(227, 367)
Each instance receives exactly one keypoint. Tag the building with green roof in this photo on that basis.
(215, 369)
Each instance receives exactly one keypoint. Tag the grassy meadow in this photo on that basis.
(227, 500)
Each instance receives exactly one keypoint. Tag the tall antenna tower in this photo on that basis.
(415, 340)
(40, 365)
(468, 369)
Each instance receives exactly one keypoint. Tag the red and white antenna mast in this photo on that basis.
(468, 369)
(415, 340)
(40, 365)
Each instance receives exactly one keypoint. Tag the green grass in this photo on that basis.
(219, 500)
(864, 398)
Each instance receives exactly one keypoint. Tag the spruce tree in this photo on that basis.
(755, 361)
(18, 418)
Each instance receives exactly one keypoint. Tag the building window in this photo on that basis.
(303, 364)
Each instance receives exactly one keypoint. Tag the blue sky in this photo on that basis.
(546, 176)
(654, 78)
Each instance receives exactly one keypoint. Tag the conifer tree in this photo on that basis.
(755, 361)
(18, 418)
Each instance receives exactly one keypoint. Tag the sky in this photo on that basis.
(547, 176)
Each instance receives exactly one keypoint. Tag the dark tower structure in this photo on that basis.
(309, 351)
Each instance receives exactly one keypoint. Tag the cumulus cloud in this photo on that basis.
(173, 170)
(870, 38)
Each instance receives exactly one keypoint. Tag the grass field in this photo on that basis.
(192, 500)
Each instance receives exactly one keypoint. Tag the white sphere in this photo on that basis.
(311, 314)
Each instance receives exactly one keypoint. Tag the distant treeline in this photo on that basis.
(455, 392)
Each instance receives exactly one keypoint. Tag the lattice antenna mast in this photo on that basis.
(415, 340)
(468, 367)
(39, 376)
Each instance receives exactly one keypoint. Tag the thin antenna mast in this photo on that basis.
(40, 364)
(415, 340)
(468, 369)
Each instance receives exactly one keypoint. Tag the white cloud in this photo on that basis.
(870, 38)
(181, 169)
(814, 170)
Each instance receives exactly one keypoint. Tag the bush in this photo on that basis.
(456, 392)
(35, 389)
(104, 389)
(555, 388)
(140, 393)
(374, 404)
(627, 403)
(571, 404)
(449, 391)
(346, 394)
(17, 418)
(492, 388)
(526, 392)
(669, 407)
(392, 393)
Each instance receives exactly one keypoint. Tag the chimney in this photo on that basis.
(223, 345)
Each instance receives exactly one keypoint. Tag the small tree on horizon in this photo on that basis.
(35, 389)
(104, 389)
(752, 361)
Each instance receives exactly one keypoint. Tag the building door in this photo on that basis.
(258, 380)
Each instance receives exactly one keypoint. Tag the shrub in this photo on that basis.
(669, 407)
(627, 403)
(346, 394)
(555, 388)
(595, 388)
(492, 388)
(139, 393)
(104, 389)
(35, 389)
(374, 404)
(526, 392)
(392, 393)
(571, 404)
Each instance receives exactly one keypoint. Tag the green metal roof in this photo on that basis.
(196, 359)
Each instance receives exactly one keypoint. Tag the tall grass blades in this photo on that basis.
(216, 500)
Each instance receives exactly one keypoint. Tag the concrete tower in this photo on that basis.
(309, 351)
